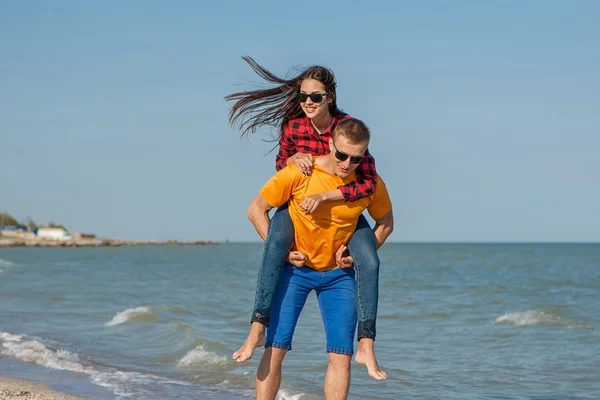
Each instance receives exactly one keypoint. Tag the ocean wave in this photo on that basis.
(6, 262)
(199, 356)
(121, 383)
(36, 352)
(528, 318)
(540, 317)
(128, 314)
(9, 337)
(33, 351)
(177, 310)
(283, 394)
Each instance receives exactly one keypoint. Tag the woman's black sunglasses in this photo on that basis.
(314, 97)
(340, 155)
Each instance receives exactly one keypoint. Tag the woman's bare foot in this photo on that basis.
(255, 338)
(366, 356)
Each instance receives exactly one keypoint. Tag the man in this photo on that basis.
(320, 239)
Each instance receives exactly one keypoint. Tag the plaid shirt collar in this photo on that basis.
(307, 127)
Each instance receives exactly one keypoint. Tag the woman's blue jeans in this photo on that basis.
(362, 248)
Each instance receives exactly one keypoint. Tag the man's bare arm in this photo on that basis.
(258, 214)
(383, 228)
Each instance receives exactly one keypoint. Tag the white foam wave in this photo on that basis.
(9, 337)
(285, 395)
(200, 356)
(126, 315)
(121, 383)
(34, 351)
(6, 262)
(527, 318)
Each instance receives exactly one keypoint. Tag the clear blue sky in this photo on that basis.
(485, 115)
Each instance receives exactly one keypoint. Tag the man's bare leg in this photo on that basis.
(366, 356)
(268, 376)
(337, 378)
(255, 338)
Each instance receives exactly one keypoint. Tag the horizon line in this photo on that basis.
(450, 242)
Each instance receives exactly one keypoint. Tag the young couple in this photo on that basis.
(318, 238)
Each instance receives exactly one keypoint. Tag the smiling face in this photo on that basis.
(342, 148)
(311, 109)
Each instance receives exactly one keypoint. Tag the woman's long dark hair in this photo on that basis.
(276, 106)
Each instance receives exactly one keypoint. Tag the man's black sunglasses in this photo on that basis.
(314, 97)
(340, 155)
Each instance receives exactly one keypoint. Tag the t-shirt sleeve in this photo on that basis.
(381, 203)
(280, 187)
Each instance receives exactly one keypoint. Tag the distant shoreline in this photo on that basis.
(97, 242)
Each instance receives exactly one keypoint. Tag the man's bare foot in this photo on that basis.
(255, 338)
(366, 356)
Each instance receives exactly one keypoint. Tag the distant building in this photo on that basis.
(21, 228)
(53, 233)
(13, 231)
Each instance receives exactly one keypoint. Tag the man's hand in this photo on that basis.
(304, 161)
(297, 258)
(310, 203)
(342, 258)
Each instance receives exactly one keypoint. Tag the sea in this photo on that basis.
(456, 321)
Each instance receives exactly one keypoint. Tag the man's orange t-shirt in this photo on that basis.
(320, 234)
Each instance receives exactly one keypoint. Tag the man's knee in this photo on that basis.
(271, 360)
(340, 360)
(274, 355)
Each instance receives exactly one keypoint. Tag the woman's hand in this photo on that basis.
(304, 161)
(342, 258)
(310, 203)
(297, 258)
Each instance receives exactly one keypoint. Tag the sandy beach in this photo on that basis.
(24, 390)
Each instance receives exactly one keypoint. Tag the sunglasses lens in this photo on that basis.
(316, 97)
(341, 156)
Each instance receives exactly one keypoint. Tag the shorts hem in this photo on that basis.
(278, 345)
(340, 350)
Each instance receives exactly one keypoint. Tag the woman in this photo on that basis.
(305, 111)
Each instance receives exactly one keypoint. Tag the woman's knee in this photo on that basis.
(279, 242)
(281, 231)
(365, 258)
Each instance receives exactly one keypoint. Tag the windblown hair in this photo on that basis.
(354, 130)
(276, 106)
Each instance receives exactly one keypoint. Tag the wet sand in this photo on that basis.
(24, 390)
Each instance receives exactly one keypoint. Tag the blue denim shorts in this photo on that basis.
(336, 293)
